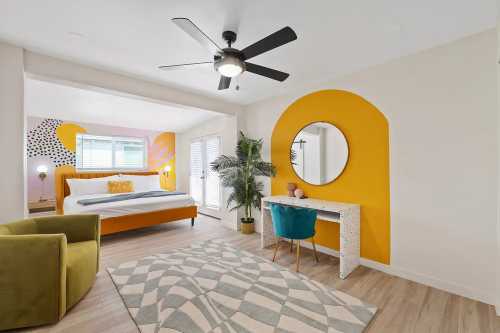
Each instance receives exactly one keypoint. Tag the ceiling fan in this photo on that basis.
(231, 62)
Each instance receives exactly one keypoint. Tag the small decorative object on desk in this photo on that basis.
(291, 189)
(299, 193)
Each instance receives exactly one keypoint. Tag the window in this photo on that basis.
(94, 152)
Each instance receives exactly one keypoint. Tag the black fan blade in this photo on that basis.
(224, 82)
(265, 71)
(191, 29)
(184, 66)
(280, 37)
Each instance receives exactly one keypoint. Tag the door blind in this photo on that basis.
(196, 172)
(212, 148)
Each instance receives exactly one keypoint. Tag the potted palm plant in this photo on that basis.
(239, 173)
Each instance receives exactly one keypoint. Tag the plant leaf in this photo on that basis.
(223, 162)
(264, 169)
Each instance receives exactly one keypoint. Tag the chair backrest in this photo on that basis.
(293, 222)
(23, 227)
(4, 231)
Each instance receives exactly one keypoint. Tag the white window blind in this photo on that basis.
(196, 172)
(129, 153)
(212, 200)
(95, 152)
(204, 184)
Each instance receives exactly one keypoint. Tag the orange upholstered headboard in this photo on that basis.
(62, 188)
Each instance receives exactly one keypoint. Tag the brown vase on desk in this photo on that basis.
(291, 187)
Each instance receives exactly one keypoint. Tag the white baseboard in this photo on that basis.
(453, 288)
(229, 225)
(364, 262)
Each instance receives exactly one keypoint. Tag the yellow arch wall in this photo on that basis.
(365, 179)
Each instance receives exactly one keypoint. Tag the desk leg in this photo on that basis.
(267, 234)
(349, 241)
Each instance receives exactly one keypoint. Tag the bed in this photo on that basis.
(123, 215)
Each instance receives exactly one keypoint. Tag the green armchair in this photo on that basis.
(47, 265)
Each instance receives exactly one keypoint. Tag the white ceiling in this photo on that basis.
(335, 37)
(52, 100)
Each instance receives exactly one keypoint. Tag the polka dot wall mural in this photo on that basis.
(45, 140)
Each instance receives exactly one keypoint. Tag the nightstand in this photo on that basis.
(42, 206)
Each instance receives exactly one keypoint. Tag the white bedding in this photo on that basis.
(125, 207)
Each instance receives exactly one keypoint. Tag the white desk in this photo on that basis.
(347, 215)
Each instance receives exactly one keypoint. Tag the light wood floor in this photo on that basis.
(404, 306)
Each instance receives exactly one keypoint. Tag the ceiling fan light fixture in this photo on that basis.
(230, 66)
(230, 62)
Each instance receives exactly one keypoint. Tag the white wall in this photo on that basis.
(498, 124)
(48, 68)
(66, 102)
(12, 169)
(441, 107)
(227, 128)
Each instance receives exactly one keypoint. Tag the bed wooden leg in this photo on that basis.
(192, 221)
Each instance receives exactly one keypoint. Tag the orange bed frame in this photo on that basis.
(127, 222)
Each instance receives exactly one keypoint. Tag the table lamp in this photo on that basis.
(42, 174)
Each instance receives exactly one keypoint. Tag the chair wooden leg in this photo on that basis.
(276, 247)
(291, 245)
(298, 254)
(314, 249)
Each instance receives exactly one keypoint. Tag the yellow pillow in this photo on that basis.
(120, 186)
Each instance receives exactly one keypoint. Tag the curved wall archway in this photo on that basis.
(365, 180)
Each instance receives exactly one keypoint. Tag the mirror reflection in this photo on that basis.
(319, 153)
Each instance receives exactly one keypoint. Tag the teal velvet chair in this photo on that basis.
(295, 224)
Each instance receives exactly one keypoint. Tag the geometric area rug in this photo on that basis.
(213, 287)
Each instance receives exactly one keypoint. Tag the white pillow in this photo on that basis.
(144, 183)
(79, 186)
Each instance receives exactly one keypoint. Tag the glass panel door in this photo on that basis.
(212, 184)
(204, 183)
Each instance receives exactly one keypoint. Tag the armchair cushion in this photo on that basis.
(80, 270)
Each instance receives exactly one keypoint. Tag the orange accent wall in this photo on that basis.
(161, 154)
(365, 179)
